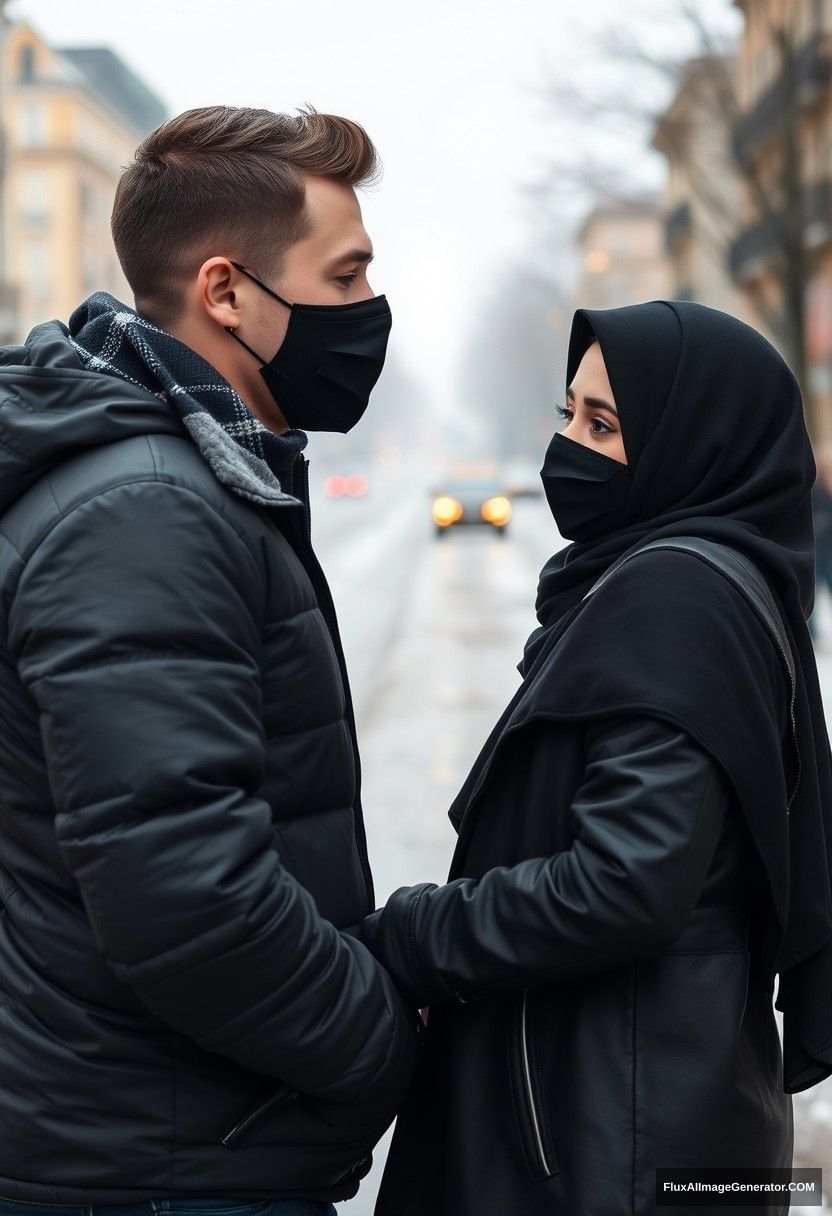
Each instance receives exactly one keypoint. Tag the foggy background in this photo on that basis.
(537, 157)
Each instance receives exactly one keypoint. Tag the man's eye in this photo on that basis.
(348, 279)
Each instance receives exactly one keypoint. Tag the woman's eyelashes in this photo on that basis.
(567, 413)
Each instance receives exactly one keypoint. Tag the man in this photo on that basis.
(181, 833)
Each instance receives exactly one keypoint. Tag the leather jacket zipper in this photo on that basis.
(535, 1138)
(527, 1077)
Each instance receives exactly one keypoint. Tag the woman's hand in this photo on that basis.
(386, 934)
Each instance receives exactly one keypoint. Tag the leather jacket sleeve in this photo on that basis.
(646, 820)
(137, 628)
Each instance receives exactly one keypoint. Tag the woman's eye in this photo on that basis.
(602, 429)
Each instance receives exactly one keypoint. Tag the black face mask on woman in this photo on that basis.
(329, 361)
(586, 490)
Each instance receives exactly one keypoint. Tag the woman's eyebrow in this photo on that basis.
(594, 403)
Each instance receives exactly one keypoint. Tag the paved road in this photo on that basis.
(432, 632)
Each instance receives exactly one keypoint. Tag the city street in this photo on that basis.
(432, 630)
(217, 221)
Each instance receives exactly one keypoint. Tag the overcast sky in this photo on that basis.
(445, 88)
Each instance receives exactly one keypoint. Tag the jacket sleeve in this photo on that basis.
(137, 628)
(646, 820)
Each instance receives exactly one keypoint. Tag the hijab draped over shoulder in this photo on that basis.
(714, 432)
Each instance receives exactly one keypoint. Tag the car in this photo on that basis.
(353, 485)
(471, 499)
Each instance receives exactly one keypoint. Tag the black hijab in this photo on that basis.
(716, 443)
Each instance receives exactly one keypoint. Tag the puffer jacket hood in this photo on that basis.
(62, 407)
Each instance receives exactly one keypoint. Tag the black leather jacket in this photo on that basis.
(596, 1008)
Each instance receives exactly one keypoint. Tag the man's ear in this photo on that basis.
(218, 288)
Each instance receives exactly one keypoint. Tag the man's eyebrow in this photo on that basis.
(595, 403)
(364, 256)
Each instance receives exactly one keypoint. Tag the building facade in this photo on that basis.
(784, 85)
(702, 197)
(72, 118)
(622, 260)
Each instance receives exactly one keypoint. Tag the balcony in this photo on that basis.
(754, 248)
(813, 79)
(678, 225)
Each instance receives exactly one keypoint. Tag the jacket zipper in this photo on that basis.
(527, 1076)
(327, 606)
(282, 1097)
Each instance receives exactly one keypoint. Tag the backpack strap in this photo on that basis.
(747, 578)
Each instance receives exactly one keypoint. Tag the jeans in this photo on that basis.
(186, 1206)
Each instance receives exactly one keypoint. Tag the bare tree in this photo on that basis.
(771, 167)
(764, 146)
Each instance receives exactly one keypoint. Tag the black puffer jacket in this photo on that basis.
(180, 823)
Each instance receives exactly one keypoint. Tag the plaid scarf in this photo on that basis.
(245, 455)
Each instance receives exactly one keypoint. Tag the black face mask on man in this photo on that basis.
(586, 490)
(329, 361)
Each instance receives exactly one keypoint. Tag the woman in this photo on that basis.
(638, 854)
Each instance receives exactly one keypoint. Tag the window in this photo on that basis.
(91, 269)
(34, 196)
(86, 199)
(116, 281)
(85, 129)
(32, 124)
(26, 63)
(36, 269)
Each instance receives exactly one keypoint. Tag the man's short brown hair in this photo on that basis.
(225, 179)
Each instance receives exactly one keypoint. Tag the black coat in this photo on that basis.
(180, 823)
(600, 1000)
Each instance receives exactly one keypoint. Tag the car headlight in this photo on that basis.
(496, 510)
(446, 510)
